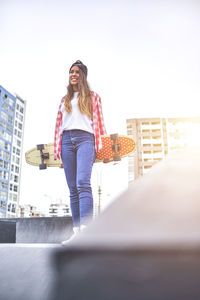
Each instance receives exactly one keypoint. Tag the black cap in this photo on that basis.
(79, 64)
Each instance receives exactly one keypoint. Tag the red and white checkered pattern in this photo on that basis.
(98, 125)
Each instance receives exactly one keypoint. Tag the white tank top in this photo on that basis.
(75, 119)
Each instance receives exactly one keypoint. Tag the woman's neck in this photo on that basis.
(75, 89)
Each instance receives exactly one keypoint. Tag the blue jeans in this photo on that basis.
(78, 155)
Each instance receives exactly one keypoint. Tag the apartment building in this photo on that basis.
(59, 210)
(12, 116)
(29, 211)
(156, 137)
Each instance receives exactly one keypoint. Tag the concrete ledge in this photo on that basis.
(35, 230)
(7, 230)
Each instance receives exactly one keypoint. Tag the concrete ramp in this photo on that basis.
(145, 246)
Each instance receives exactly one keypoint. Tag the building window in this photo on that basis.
(15, 188)
(16, 169)
(4, 174)
(2, 204)
(18, 143)
(6, 165)
(6, 155)
(14, 197)
(9, 206)
(9, 128)
(1, 163)
(3, 185)
(7, 108)
(3, 195)
(10, 119)
(11, 102)
(13, 208)
(147, 167)
(7, 146)
(158, 137)
(155, 123)
(5, 135)
(16, 178)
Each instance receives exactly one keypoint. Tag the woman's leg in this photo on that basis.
(85, 160)
(70, 166)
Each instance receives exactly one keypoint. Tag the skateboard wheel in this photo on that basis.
(40, 147)
(42, 166)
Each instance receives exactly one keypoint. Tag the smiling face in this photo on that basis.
(74, 77)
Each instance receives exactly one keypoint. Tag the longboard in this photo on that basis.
(114, 148)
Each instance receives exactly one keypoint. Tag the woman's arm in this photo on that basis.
(100, 117)
(57, 136)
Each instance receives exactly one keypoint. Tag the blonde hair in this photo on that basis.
(84, 97)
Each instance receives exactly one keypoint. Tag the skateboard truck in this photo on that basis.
(43, 156)
(115, 147)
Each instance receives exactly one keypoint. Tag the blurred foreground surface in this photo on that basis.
(146, 245)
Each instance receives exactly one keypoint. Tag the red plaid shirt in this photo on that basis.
(97, 124)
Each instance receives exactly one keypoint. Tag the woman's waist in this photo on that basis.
(72, 133)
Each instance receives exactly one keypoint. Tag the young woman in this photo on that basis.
(79, 127)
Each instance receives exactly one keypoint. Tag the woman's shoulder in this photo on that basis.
(94, 95)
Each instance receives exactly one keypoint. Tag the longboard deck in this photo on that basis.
(127, 146)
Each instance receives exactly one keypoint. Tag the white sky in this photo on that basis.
(142, 56)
